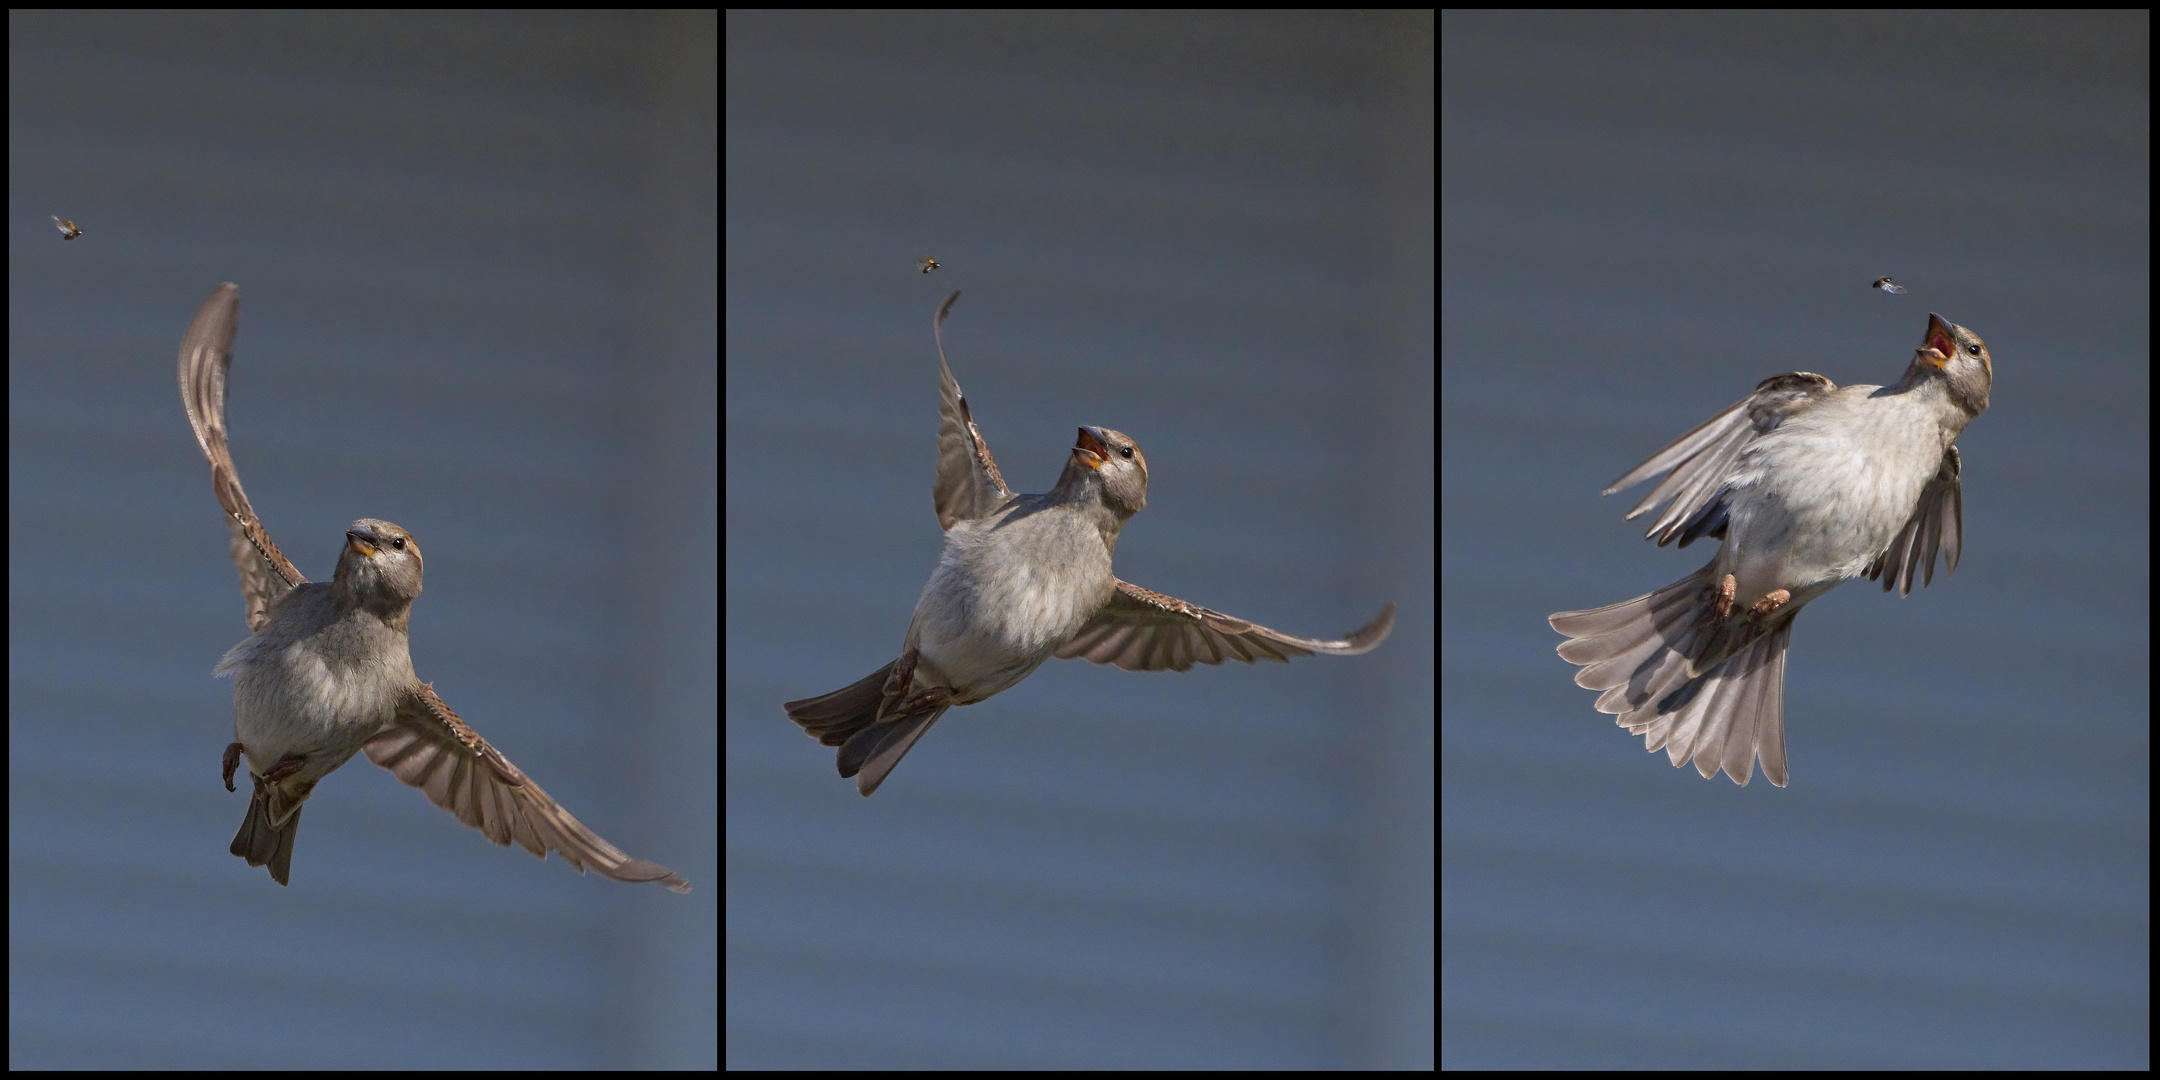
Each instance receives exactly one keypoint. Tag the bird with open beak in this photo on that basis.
(1808, 485)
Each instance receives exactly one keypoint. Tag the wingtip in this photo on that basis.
(643, 871)
(937, 332)
(1370, 635)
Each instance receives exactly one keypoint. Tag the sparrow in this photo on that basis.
(1808, 485)
(1024, 578)
(327, 672)
(1884, 284)
(68, 231)
(927, 264)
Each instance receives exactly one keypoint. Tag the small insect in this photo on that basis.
(927, 263)
(1884, 284)
(68, 231)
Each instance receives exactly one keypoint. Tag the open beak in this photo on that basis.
(1939, 346)
(360, 542)
(1090, 450)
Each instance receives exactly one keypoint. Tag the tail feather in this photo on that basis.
(1725, 715)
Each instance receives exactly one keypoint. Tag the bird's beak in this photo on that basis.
(360, 542)
(1939, 346)
(1091, 451)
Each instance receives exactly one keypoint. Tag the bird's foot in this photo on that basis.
(925, 700)
(1724, 598)
(232, 761)
(1771, 601)
(899, 683)
(903, 673)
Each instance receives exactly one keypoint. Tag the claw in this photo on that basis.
(232, 761)
(286, 766)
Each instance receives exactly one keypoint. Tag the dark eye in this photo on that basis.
(1125, 452)
(398, 543)
(1973, 349)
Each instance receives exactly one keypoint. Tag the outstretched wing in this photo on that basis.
(1143, 630)
(1702, 459)
(428, 747)
(205, 356)
(968, 485)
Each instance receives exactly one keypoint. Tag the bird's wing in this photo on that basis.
(428, 747)
(1702, 459)
(1143, 630)
(1937, 523)
(968, 485)
(205, 357)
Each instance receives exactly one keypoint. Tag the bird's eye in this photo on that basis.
(1973, 349)
(398, 543)
(1125, 452)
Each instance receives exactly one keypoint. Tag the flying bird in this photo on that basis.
(1025, 578)
(327, 672)
(1806, 485)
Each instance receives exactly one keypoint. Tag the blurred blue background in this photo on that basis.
(1642, 216)
(476, 257)
(1212, 232)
